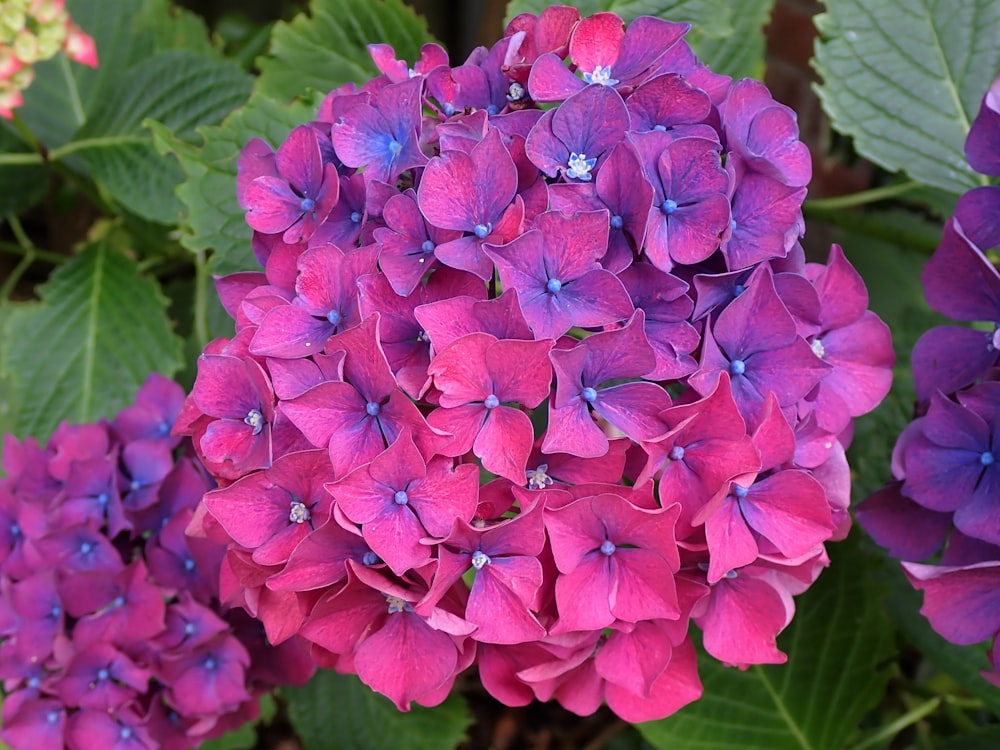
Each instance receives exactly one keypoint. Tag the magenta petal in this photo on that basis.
(961, 603)
(504, 443)
(497, 602)
(642, 586)
(949, 358)
(981, 144)
(289, 331)
(635, 660)
(744, 616)
(959, 280)
(572, 430)
(550, 80)
(583, 596)
(272, 206)
(729, 539)
(790, 509)
(633, 408)
(909, 531)
(405, 659)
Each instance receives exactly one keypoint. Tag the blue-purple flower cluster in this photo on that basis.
(111, 632)
(944, 505)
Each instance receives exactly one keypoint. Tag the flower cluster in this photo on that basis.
(111, 633)
(31, 31)
(535, 374)
(944, 505)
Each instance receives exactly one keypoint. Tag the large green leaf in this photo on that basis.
(739, 54)
(327, 48)
(904, 78)
(181, 90)
(82, 351)
(839, 648)
(335, 710)
(213, 220)
(65, 94)
(711, 17)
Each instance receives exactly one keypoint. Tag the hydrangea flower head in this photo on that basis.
(561, 409)
(114, 621)
(941, 514)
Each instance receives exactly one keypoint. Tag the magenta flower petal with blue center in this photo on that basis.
(383, 138)
(571, 141)
(558, 280)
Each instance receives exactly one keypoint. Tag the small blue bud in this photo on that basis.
(737, 367)
(307, 205)
(372, 409)
(616, 222)
(356, 217)
(401, 498)
(668, 206)
(209, 663)
(554, 285)
(987, 458)
(395, 147)
(608, 547)
(427, 247)
(369, 558)
(676, 453)
(481, 230)
(740, 492)
(589, 395)
(334, 317)
(491, 402)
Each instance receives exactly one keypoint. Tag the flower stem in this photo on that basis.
(910, 718)
(862, 198)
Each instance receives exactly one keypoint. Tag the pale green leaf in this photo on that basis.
(739, 54)
(335, 710)
(212, 219)
(711, 17)
(82, 351)
(839, 648)
(904, 78)
(178, 88)
(327, 47)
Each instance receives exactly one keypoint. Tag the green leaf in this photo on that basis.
(82, 351)
(985, 738)
(327, 48)
(905, 80)
(739, 54)
(839, 646)
(21, 185)
(178, 88)
(711, 17)
(212, 219)
(335, 710)
(64, 94)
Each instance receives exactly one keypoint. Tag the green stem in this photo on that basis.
(19, 234)
(871, 224)
(16, 274)
(910, 718)
(201, 279)
(25, 132)
(862, 198)
(46, 256)
(21, 158)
